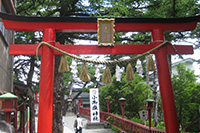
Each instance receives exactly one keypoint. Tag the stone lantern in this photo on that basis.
(122, 101)
(149, 106)
(8, 103)
(107, 102)
(149, 103)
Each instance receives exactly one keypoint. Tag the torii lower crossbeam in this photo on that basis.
(51, 25)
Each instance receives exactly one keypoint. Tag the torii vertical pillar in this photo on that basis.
(46, 84)
(167, 96)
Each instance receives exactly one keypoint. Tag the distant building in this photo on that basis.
(6, 38)
(189, 63)
(85, 99)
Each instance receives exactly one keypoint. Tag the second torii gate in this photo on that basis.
(50, 25)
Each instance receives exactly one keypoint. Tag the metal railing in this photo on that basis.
(121, 123)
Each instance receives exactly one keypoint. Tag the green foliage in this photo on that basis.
(170, 8)
(111, 120)
(138, 120)
(115, 129)
(161, 125)
(134, 91)
(185, 92)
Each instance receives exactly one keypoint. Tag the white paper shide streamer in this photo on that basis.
(139, 67)
(74, 69)
(97, 74)
(118, 72)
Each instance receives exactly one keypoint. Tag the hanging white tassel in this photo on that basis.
(118, 72)
(97, 74)
(74, 69)
(139, 68)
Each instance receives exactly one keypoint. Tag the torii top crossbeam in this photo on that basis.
(50, 25)
(88, 24)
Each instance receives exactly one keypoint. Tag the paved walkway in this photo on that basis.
(69, 122)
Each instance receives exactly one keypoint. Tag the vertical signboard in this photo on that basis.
(94, 105)
(143, 114)
(106, 31)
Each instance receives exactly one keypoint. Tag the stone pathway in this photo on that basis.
(69, 122)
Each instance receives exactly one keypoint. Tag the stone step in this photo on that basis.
(99, 125)
(69, 114)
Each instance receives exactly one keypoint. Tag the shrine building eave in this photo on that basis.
(89, 24)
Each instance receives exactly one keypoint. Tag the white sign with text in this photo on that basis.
(143, 114)
(94, 106)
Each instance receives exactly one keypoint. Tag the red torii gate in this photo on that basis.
(50, 25)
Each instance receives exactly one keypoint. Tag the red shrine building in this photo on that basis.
(6, 38)
(6, 60)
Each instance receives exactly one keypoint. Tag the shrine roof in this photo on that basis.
(8, 95)
(94, 19)
(89, 24)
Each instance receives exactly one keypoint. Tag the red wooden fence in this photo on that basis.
(121, 123)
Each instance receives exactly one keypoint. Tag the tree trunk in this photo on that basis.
(31, 97)
(147, 71)
(69, 107)
(58, 98)
(154, 91)
(31, 71)
(155, 98)
(32, 114)
(180, 115)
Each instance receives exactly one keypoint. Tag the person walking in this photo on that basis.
(78, 125)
